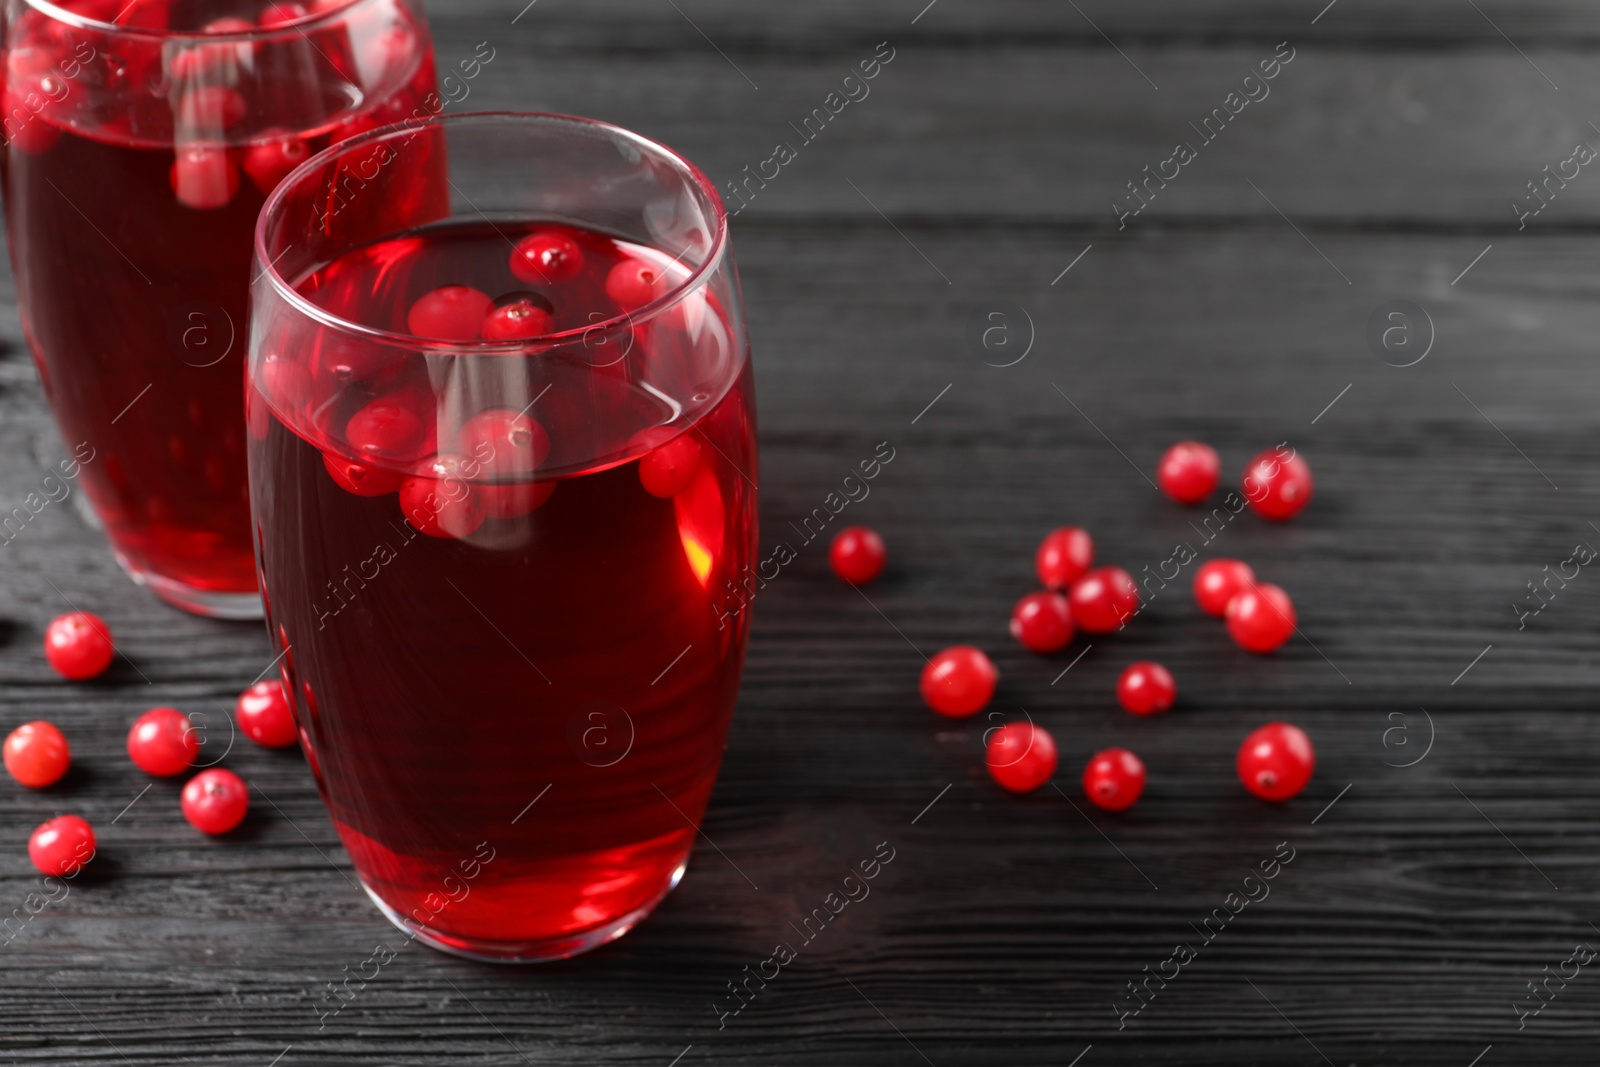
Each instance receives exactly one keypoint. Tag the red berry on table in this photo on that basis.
(440, 501)
(264, 716)
(163, 742)
(1146, 688)
(1275, 762)
(667, 470)
(37, 755)
(1103, 600)
(634, 283)
(269, 162)
(203, 177)
(450, 313)
(959, 681)
(360, 479)
(1042, 622)
(546, 256)
(1063, 557)
(519, 320)
(386, 429)
(1021, 756)
(1218, 581)
(61, 846)
(1277, 484)
(78, 645)
(1114, 779)
(857, 555)
(1189, 471)
(1261, 617)
(215, 801)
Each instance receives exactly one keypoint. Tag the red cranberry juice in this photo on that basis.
(132, 260)
(514, 692)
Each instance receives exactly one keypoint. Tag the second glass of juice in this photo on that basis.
(503, 466)
(141, 139)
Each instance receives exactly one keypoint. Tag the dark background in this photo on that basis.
(1233, 309)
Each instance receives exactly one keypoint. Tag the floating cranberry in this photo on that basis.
(1218, 581)
(1103, 600)
(280, 14)
(546, 256)
(285, 382)
(269, 162)
(78, 645)
(1275, 762)
(520, 320)
(37, 755)
(359, 478)
(1277, 484)
(508, 446)
(61, 846)
(1042, 622)
(215, 801)
(228, 24)
(386, 429)
(1114, 779)
(264, 716)
(203, 177)
(1021, 756)
(857, 555)
(1063, 557)
(633, 283)
(450, 313)
(1261, 617)
(162, 742)
(1189, 472)
(207, 110)
(959, 681)
(1146, 688)
(668, 469)
(440, 501)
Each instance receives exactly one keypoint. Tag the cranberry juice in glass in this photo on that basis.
(141, 139)
(503, 468)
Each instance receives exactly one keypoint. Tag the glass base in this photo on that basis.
(208, 602)
(541, 951)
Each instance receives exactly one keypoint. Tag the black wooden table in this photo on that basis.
(1444, 856)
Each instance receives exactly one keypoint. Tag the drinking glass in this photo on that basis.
(503, 469)
(141, 140)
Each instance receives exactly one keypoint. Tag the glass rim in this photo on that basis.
(696, 279)
(315, 20)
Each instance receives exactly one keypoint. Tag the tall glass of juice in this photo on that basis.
(141, 139)
(503, 468)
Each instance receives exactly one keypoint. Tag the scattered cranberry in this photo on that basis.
(1189, 472)
(857, 555)
(1042, 622)
(1275, 762)
(62, 846)
(1064, 556)
(1146, 688)
(215, 801)
(520, 320)
(1103, 600)
(203, 177)
(386, 429)
(37, 754)
(163, 743)
(634, 283)
(1261, 617)
(668, 469)
(360, 479)
(959, 681)
(1278, 484)
(1021, 756)
(78, 645)
(269, 162)
(546, 256)
(440, 502)
(450, 313)
(1218, 582)
(264, 715)
(1114, 779)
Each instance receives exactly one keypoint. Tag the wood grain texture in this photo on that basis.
(1416, 907)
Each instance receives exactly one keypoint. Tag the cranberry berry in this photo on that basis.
(78, 645)
(1275, 762)
(1063, 557)
(633, 283)
(440, 502)
(450, 313)
(263, 715)
(1189, 472)
(360, 479)
(518, 320)
(62, 846)
(1114, 779)
(1146, 688)
(215, 801)
(1277, 484)
(1218, 582)
(269, 162)
(162, 742)
(1042, 622)
(1021, 756)
(1103, 600)
(203, 177)
(959, 681)
(857, 555)
(547, 257)
(1261, 618)
(667, 470)
(37, 755)
(386, 429)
